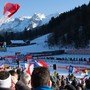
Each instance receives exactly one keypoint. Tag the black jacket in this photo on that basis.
(5, 88)
(21, 86)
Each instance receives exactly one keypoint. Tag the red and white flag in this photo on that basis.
(30, 67)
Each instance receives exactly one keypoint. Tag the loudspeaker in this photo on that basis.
(54, 66)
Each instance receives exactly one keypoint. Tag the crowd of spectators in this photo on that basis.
(41, 79)
(70, 60)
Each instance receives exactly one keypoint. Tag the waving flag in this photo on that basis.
(75, 70)
(44, 64)
(37, 64)
(40, 63)
(84, 73)
(11, 8)
(1, 66)
(29, 58)
(30, 67)
(72, 69)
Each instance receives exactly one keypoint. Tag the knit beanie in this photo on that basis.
(5, 79)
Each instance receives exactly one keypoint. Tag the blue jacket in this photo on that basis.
(43, 88)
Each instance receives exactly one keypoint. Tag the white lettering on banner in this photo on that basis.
(77, 67)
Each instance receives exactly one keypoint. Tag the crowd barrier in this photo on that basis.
(77, 51)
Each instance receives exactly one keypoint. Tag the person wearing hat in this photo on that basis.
(5, 80)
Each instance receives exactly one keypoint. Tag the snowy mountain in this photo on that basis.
(19, 24)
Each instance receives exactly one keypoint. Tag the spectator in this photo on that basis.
(63, 84)
(19, 72)
(40, 78)
(88, 84)
(74, 83)
(26, 79)
(21, 86)
(14, 78)
(18, 62)
(58, 83)
(5, 80)
(62, 77)
(53, 83)
(70, 87)
(58, 76)
(24, 82)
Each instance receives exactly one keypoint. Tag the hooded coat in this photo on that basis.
(21, 86)
(43, 88)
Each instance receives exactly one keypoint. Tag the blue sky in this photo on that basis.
(29, 7)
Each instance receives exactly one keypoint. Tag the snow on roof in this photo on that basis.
(17, 41)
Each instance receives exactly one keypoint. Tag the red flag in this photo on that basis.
(28, 57)
(10, 8)
(43, 63)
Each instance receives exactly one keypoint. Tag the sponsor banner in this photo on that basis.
(77, 67)
(10, 59)
(21, 57)
(28, 57)
(78, 51)
(88, 62)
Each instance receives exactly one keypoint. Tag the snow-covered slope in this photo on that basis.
(40, 46)
(19, 24)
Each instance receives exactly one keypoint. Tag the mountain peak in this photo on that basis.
(19, 24)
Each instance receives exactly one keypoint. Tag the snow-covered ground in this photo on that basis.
(42, 46)
(38, 47)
